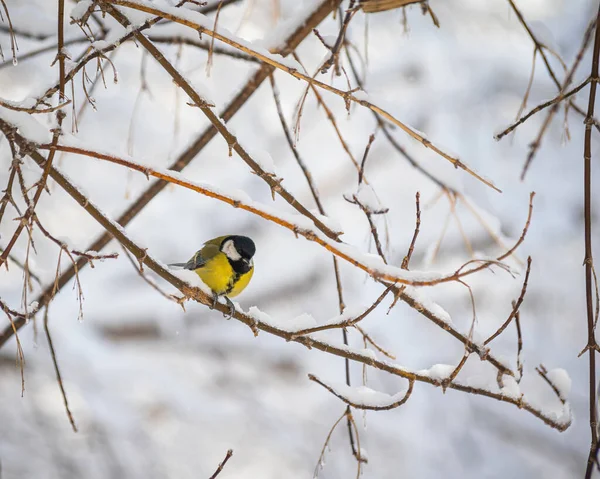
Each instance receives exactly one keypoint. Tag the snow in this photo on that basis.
(561, 380)
(79, 10)
(420, 297)
(438, 372)
(365, 397)
(27, 125)
(510, 388)
(544, 35)
(366, 197)
(151, 385)
(100, 45)
(361, 95)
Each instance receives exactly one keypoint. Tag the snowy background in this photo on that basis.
(159, 393)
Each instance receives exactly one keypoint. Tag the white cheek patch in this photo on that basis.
(229, 249)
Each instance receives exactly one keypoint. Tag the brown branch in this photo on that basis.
(535, 145)
(60, 115)
(32, 110)
(561, 96)
(369, 407)
(592, 345)
(256, 324)
(315, 194)
(327, 440)
(212, 40)
(348, 96)
(386, 130)
(139, 270)
(543, 372)
(369, 215)
(519, 343)
(7, 197)
(295, 38)
(516, 307)
(222, 464)
(20, 354)
(273, 182)
(57, 371)
(331, 246)
(348, 322)
(411, 248)
(363, 163)
(11, 32)
(328, 113)
(294, 150)
(181, 40)
(405, 297)
(337, 46)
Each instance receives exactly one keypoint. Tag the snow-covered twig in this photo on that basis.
(233, 142)
(366, 398)
(304, 25)
(199, 24)
(260, 322)
(342, 321)
(516, 306)
(373, 266)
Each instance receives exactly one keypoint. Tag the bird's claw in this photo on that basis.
(231, 308)
(230, 305)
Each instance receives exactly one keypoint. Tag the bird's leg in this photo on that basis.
(215, 301)
(230, 306)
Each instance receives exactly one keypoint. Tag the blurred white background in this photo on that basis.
(159, 393)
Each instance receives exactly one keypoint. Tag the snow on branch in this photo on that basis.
(201, 24)
(259, 321)
(374, 266)
(366, 398)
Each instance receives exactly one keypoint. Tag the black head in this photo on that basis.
(244, 245)
(239, 250)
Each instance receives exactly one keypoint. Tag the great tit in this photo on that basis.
(225, 265)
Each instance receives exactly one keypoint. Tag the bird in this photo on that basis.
(225, 264)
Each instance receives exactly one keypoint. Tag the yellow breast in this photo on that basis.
(219, 276)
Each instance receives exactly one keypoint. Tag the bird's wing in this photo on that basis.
(201, 257)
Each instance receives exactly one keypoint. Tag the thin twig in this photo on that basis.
(222, 464)
(337, 46)
(560, 97)
(60, 115)
(516, 307)
(370, 407)
(592, 345)
(406, 260)
(543, 372)
(519, 343)
(348, 96)
(348, 322)
(535, 144)
(363, 163)
(256, 323)
(319, 13)
(57, 371)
